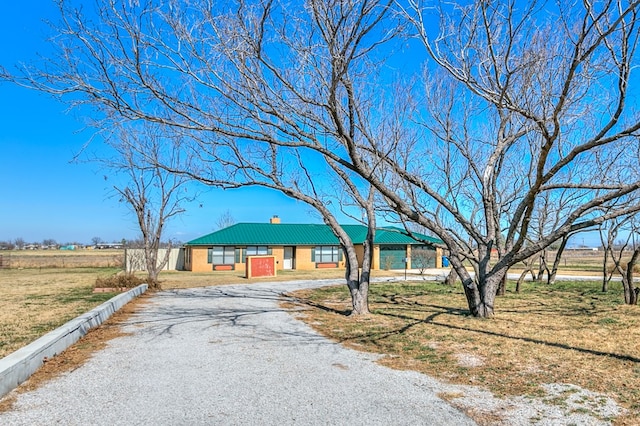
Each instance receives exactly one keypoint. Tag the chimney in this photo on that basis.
(274, 219)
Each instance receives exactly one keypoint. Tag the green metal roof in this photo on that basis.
(391, 235)
(290, 234)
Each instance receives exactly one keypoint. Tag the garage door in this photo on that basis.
(423, 257)
(392, 257)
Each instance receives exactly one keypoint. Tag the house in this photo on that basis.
(304, 247)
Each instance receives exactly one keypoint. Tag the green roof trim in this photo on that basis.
(291, 234)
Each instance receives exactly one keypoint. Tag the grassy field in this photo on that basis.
(43, 289)
(35, 259)
(569, 333)
(575, 262)
(36, 301)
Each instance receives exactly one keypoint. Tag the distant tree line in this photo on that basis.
(50, 243)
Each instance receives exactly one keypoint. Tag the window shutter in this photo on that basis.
(313, 254)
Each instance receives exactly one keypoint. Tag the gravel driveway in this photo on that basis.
(231, 356)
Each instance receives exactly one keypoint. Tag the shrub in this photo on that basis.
(612, 268)
(120, 280)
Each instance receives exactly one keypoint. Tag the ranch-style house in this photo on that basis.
(306, 246)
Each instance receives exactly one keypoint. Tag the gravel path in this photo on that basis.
(231, 356)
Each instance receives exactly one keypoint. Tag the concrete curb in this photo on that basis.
(20, 365)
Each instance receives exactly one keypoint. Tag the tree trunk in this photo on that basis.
(543, 266)
(358, 289)
(606, 277)
(153, 266)
(630, 291)
(481, 292)
(359, 298)
(502, 288)
(359, 293)
(528, 268)
(358, 283)
(551, 277)
(452, 277)
(607, 243)
(521, 280)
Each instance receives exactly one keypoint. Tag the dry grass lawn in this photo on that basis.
(571, 333)
(36, 301)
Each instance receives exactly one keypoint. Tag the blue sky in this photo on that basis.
(44, 194)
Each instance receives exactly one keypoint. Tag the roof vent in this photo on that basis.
(274, 219)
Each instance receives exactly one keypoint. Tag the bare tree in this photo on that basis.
(527, 269)
(511, 83)
(49, 242)
(286, 94)
(154, 195)
(96, 241)
(6, 245)
(422, 259)
(19, 243)
(517, 101)
(619, 243)
(551, 209)
(225, 220)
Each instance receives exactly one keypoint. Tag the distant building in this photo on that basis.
(104, 246)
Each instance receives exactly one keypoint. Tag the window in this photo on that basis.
(324, 254)
(187, 255)
(255, 251)
(221, 255)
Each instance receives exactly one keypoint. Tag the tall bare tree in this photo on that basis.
(524, 97)
(154, 195)
(515, 99)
